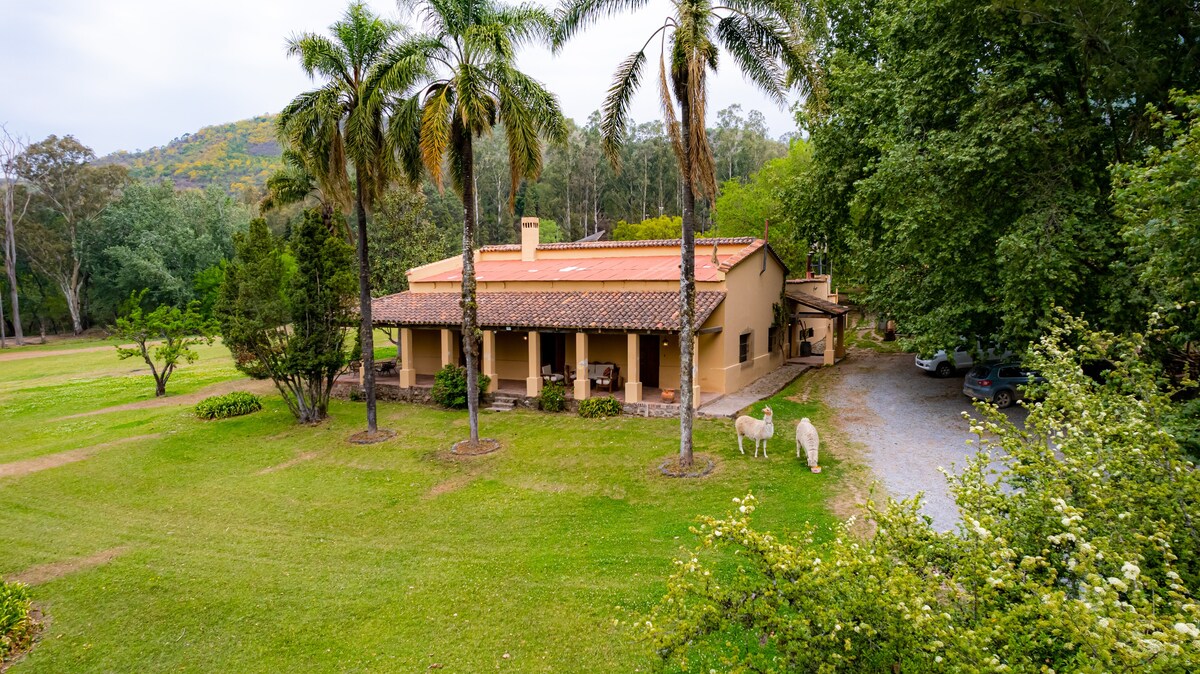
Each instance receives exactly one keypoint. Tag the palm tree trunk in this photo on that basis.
(687, 299)
(364, 303)
(470, 310)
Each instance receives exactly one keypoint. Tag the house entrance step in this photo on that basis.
(503, 402)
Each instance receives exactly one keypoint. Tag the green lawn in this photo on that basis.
(391, 557)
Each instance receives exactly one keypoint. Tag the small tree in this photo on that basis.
(287, 318)
(1082, 556)
(177, 329)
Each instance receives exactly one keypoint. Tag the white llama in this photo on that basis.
(756, 430)
(806, 437)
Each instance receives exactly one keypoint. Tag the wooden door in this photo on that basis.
(648, 351)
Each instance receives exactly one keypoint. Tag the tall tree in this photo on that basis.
(962, 155)
(289, 324)
(760, 35)
(10, 148)
(339, 126)
(463, 70)
(69, 195)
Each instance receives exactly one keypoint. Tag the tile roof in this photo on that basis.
(615, 268)
(651, 311)
(813, 302)
(650, 243)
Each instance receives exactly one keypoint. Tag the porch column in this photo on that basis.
(447, 347)
(583, 385)
(830, 341)
(489, 360)
(533, 384)
(408, 371)
(840, 350)
(696, 372)
(633, 382)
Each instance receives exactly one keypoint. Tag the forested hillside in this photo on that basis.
(578, 188)
(237, 157)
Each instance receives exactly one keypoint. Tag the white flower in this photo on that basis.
(742, 509)
(1188, 629)
(1130, 570)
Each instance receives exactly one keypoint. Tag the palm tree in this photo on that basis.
(296, 184)
(463, 73)
(760, 36)
(340, 125)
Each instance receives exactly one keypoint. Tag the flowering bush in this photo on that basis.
(1079, 555)
(595, 408)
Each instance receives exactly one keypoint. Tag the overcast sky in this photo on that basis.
(133, 74)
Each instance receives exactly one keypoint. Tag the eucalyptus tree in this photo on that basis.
(339, 126)
(462, 81)
(762, 38)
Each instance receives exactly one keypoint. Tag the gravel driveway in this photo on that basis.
(908, 424)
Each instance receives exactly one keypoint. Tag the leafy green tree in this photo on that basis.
(1080, 556)
(463, 68)
(163, 338)
(549, 231)
(69, 194)
(744, 206)
(1158, 198)
(402, 237)
(161, 239)
(757, 34)
(340, 125)
(662, 227)
(961, 153)
(286, 319)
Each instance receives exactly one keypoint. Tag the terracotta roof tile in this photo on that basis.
(651, 311)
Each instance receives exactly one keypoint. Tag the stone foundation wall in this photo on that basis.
(348, 391)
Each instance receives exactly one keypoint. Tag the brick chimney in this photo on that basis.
(529, 239)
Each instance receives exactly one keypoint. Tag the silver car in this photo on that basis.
(943, 365)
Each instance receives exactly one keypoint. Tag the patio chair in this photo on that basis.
(605, 375)
(549, 376)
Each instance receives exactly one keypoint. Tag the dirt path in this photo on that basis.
(40, 463)
(44, 573)
(251, 385)
(908, 424)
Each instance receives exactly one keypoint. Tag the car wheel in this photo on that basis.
(944, 370)
(1003, 399)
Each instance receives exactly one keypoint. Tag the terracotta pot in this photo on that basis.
(668, 395)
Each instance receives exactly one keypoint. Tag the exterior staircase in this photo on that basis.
(503, 402)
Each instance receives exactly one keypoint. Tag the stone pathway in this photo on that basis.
(764, 387)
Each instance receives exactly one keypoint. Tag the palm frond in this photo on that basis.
(320, 56)
(435, 130)
(700, 155)
(476, 106)
(671, 122)
(752, 55)
(614, 121)
(575, 15)
(403, 138)
(524, 146)
(543, 106)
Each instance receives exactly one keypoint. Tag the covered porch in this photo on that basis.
(624, 344)
(818, 323)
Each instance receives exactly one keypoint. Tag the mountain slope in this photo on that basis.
(237, 157)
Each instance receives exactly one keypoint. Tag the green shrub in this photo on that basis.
(594, 408)
(233, 404)
(17, 626)
(553, 397)
(450, 386)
